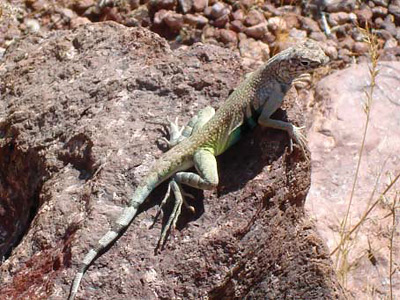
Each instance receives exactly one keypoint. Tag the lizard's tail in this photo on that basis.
(126, 217)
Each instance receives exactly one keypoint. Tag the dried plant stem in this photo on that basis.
(391, 243)
(344, 245)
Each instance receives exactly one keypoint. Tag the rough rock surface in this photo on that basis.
(335, 139)
(81, 112)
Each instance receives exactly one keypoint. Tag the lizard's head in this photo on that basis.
(302, 58)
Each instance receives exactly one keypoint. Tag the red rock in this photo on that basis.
(221, 21)
(195, 20)
(82, 5)
(199, 5)
(247, 3)
(218, 10)
(237, 26)
(254, 17)
(379, 11)
(292, 20)
(257, 31)
(347, 43)
(364, 15)
(159, 16)
(228, 36)
(338, 18)
(165, 4)
(310, 25)
(174, 20)
(238, 15)
(333, 6)
(75, 22)
(254, 50)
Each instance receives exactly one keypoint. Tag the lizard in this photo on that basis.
(209, 133)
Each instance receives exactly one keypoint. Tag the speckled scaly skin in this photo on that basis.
(210, 134)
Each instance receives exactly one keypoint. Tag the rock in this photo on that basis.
(347, 43)
(210, 33)
(331, 51)
(364, 15)
(185, 5)
(218, 10)
(164, 4)
(254, 50)
(173, 20)
(270, 10)
(297, 34)
(277, 24)
(228, 37)
(80, 125)
(345, 55)
(339, 18)
(384, 34)
(360, 48)
(333, 6)
(388, 25)
(395, 11)
(2, 51)
(318, 36)
(292, 20)
(78, 21)
(384, 3)
(310, 25)
(238, 15)
(379, 22)
(269, 38)
(207, 12)
(391, 43)
(134, 4)
(288, 9)
(32, 25)
(248, 4)
(198, 21)
(390, 54)
(254, 17)
(221, 21)
(139, 17)
(257, 31)
(199, 5)
(334, 139)
(237, 26)
(379, 11)
(159, 16)
(82, 5)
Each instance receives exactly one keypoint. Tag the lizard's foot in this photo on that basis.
(299, 139)
(179, 196)
(175, 133)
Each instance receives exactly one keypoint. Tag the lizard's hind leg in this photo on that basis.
(177, 135)
(207, 179)
(179, 196)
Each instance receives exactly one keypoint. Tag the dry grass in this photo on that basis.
(348, 232)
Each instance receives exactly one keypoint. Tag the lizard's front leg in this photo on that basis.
(270, 106)
(207, 179)
(177, 134)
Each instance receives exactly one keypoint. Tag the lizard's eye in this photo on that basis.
(305, 63)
